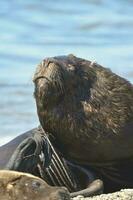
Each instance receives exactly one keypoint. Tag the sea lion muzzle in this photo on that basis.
(52, 82)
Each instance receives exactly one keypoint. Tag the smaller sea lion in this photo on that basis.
(23, 186)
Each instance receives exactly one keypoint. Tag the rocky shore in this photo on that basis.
(124, 194)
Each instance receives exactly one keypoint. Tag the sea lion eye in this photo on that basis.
(36, 184)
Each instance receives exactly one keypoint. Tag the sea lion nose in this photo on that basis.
(62, 194)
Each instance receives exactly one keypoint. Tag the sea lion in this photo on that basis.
(89, 111)
(19, 186)
(33, 153)
(7, 150)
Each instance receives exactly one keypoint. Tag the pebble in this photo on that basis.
(124, 194)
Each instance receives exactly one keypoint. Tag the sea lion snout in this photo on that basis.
(60, 194)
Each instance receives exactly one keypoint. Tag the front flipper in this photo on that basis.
(94, 188)
(29, 154)
(88, 183)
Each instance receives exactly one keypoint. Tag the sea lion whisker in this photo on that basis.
(63, 168)
(58, 160)
(56, 176)
(60, 175)
(50, 176)
(51, 168)
(41, 171)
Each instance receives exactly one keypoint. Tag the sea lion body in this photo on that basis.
(87, 108)
(89, 111)
(19, 186)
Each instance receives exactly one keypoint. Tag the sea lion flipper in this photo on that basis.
(29, 153)
(95, 188)
(21, 155)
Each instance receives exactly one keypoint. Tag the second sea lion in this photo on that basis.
(19, 186)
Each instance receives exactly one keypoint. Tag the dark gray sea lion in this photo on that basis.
(7, 150)
(19, 186)
(89, 111)
(33, 153)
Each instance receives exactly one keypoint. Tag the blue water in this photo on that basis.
(30, 30)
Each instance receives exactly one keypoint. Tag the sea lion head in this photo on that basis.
(82, 104)
(18, 186)
(60, 87)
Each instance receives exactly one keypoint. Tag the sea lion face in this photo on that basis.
(22, 186)
(61, 86)
(60, 76)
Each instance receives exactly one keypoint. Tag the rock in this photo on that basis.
(124, 194)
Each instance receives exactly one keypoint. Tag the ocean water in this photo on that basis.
(100, 30)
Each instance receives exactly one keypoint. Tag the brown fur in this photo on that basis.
(87, 108)
(19, 186)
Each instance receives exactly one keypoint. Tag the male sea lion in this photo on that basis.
(89, 111)
(19, 186)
